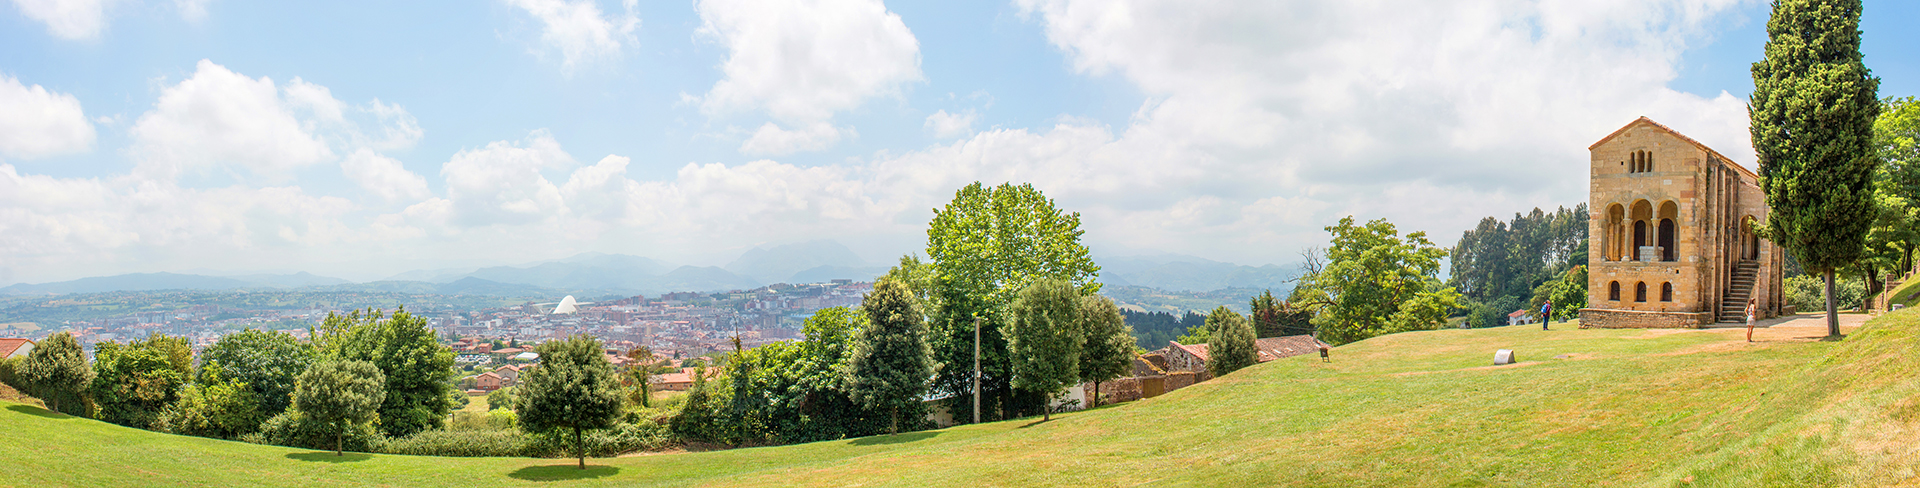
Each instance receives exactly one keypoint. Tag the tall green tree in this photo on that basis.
(573, 390)
(1044, 339)
(1376, 282)
(267, 362)
(57, 373)
(418, 369)
(987, 245)
(340, 394)
(1895, 234)
(1232, 346)
(890, 364)
(134, 382)
(1106, 351)
(1813, 107)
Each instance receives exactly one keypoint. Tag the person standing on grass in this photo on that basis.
(1750, 311)
(1546, 314)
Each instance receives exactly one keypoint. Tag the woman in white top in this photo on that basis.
(1750, 306)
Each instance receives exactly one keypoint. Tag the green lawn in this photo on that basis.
(1584, 408)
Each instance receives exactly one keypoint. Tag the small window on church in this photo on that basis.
(1613, 291)
(1640, 292)
(1666, 292)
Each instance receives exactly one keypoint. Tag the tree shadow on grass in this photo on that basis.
(37, 411)
(1033, 423)
(880, 440)
(563, 472)
(328, 457)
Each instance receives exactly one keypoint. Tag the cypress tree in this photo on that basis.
(1813, 107)
(890, 363)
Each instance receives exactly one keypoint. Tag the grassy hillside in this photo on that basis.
(1585, 408)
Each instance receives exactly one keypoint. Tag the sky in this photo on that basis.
(363, 139)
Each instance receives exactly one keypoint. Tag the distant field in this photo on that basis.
(1583, 408)
(21, 326)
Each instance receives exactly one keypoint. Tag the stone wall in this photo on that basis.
(1593, 318)
(1117, 390)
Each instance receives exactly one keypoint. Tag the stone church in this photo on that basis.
(1671, 241)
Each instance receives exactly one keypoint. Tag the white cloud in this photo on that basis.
(64, 228)
(944, 125)
(37, 122)
(219, 118)
(192, 10)
(772, 140)
(384, 176)
(579, 30)
(801, 61)
(501, 183)
(67, 19)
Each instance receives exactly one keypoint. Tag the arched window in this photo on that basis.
(1639, 239)
(1640, 162)
(1613, 291)
(1666, 292)
(1669, 232)
(1640, 291)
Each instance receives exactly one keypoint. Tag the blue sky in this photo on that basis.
(362, 139)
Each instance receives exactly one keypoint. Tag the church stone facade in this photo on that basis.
(1671, 241)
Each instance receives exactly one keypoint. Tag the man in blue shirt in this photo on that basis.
(1546, 314)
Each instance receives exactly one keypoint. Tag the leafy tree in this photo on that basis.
(573, 390)
(1895, 234)
(1273, 317)
(134, 382)
(1197, 334)
(1375, 282)
(418, 369)
(1569, 294)
(1508, 259)
(219, 409)
(340, 394)
(1232, 347)
(1813, 108)
(267, 362)
(1107, 350)
(890, 363)
(56, 372)
(986, 246)
(1045, 337)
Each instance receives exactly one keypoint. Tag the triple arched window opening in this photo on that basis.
(1640, 162)
(1640, 233)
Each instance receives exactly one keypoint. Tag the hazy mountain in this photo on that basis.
(443, 275)
(170, 281)
(781, 263)
(829, 273)
(703, 278)
(1177, 272)
(294, 280)
(477, 286)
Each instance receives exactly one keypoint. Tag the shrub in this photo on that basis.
(1807, 293)
(293, 429)
(622, 438)
(462, 443)
(219, 410)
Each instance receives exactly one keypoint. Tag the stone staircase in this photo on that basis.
(1733, 306)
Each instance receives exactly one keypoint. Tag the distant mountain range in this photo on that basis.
(1177, 272)
(603, 274)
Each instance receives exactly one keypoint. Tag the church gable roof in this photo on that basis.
(1677, 135)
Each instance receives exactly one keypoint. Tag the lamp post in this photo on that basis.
(976, 369)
